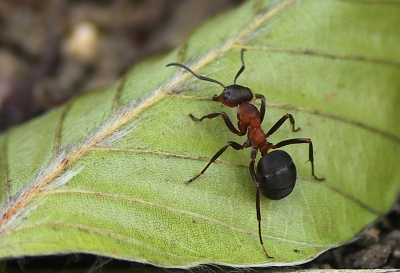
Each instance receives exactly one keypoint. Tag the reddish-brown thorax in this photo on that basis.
(249, 119)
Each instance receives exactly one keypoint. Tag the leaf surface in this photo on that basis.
(106, 173)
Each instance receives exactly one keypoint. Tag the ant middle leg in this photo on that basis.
(310, 151)
(279, 124)
(228, 122)
(232, 144)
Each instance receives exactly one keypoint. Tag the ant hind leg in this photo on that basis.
(310, 151)
(258, 209)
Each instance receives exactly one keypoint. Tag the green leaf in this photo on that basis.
(106, 173)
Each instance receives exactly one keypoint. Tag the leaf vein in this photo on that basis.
(116, 103)
(332, 116)
(341, 118)
(331, 55)
(59, 128)
(177, 211)
(226, 162)
(93, 230)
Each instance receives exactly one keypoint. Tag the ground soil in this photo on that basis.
(43, 64)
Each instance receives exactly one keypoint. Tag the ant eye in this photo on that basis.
(227, 95)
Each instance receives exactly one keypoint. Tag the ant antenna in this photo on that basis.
(243, 66)
(198, 76)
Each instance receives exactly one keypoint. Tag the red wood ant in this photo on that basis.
(276, 172)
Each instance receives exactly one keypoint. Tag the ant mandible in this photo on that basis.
(276, 172)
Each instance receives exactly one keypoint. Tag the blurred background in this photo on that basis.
(51, 50)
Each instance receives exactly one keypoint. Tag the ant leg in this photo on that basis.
(262, 109)
(257, 184)
(234, 145)
(310, 151)
(228, 122)
(279, 124)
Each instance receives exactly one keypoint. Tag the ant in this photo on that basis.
(276, 172)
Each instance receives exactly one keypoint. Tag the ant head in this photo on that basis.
(234, 95)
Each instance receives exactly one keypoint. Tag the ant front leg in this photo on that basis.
(232, 144)
(310, 151)
(257, 184)
(279, 124)
(228, 122)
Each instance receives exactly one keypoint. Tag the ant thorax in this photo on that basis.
(249, 115)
